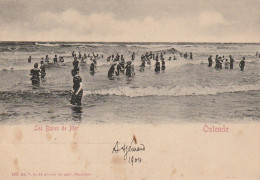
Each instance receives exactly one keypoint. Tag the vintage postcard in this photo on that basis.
(129, 89)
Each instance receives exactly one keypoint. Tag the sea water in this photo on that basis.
(188, 90)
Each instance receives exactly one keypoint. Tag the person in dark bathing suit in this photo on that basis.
(29, 59)
(157, 66)
(92, 68)
(128, 69)
(122, 66)
(35, 73)
(210, 61)
(163, 65)
(118, 69)
(42, 68)
(242, 64)
(77, 90)
(231, 61)
(142, 66)
(111, 71)
(216, 62)
(47, 59)
(75, 63)
(55, 59)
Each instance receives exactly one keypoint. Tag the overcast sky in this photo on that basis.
(132, 20)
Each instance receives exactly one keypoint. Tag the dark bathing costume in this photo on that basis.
(43, 73)
(35, 76)
(157, 66)
(76, 99)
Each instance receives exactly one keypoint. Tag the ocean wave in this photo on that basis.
(176, 91)
(47, 44)
(133, 92)
(5, 50)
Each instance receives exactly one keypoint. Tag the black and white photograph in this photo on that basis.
(135, 62)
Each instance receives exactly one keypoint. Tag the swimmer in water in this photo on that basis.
(142, 66)
(157, 66)
(35, 73)
(77, 90)
(29, 59)
(47, 59)
(61, 59)
(118, 69)
(92, 68)
(111, 71)
(55, 59)
(42, 68)
(231, 60)
(163, 65)
(226, 64)
(128, 69)
(122, 65)
(75, 63)
(242, 64)
(133, 56)
(210, 60)
(216, 62)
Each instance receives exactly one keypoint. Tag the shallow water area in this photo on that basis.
(188, 90)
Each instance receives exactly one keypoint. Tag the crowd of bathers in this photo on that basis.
(121, 66)
(228, 63)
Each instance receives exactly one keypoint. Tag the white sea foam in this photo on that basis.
(176, 91)
(46, 44)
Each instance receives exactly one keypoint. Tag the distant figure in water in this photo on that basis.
(231, 60)
(47, 59)
(142, 66)
(118, 69)
(128, 69)
(210, 60)
(42, 68)
(75, 63)
(226, 64)
(191, 55)
(242, 64)
(73, 54)
(163, 65)
(111, 71)
(216, 62)
(55, 59)
(77, 90)
(157, 66)
(92, 68)
(29, 59)
(35, 73)
(79, 55)
(61, 59)
(133, 56)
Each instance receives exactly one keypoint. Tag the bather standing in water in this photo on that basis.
(210, 60)
(242, 64)
(42, 68)
(77, 90)
(163, 65)
(35, 73)
(157, 66)
(231, 61)
(30, 59)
